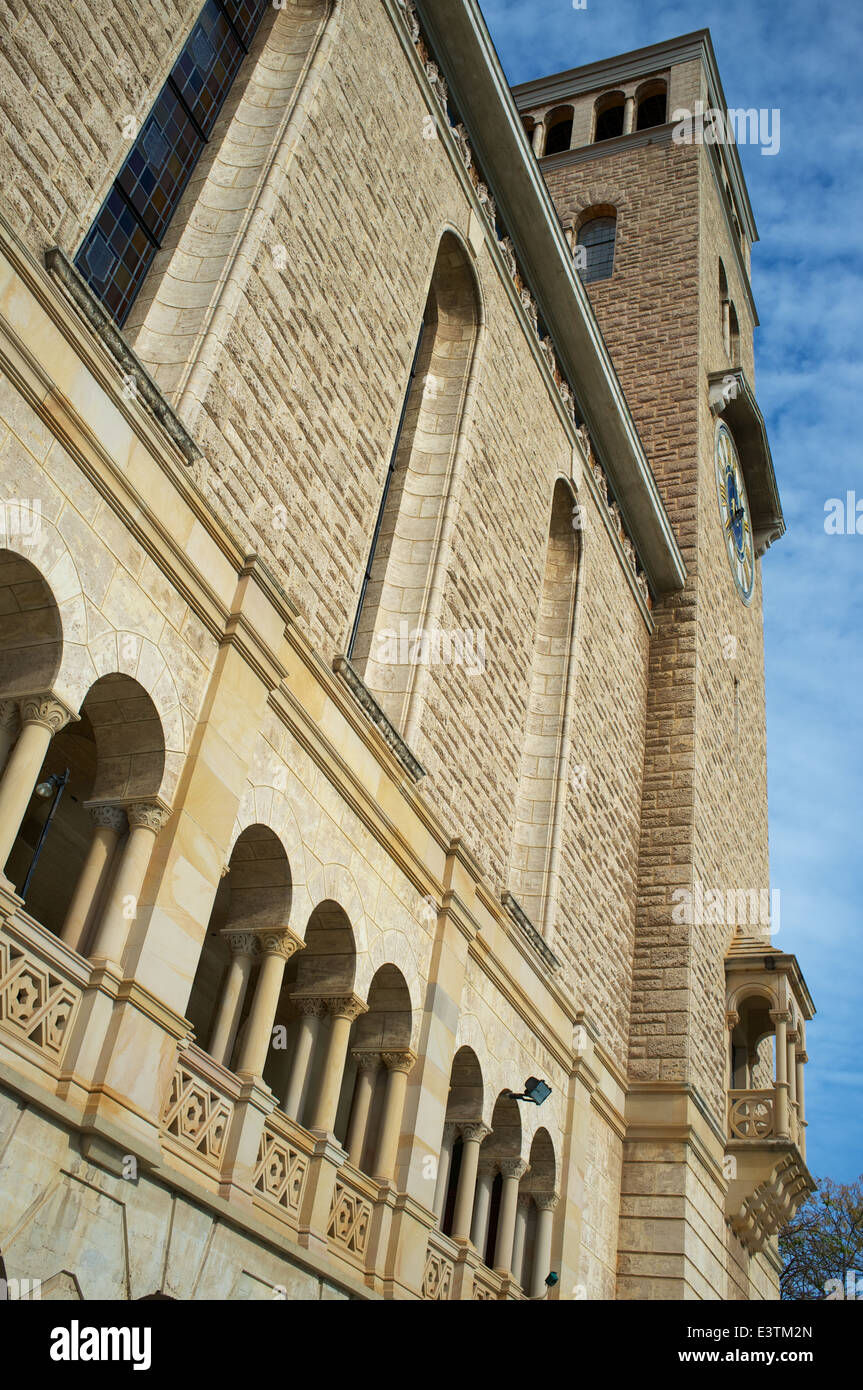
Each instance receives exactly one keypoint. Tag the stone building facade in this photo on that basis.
(377, 698)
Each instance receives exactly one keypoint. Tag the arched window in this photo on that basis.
(609, 116)
(733, 336)
(559, 127)
(393, 637)
(652, 105)
(724, 309)
(129, 227)
(543, 756)
(595, 248)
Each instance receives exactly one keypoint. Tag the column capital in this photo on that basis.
(240, 943)
(514, 1168)
(732, 1018)
(47, 710)
(278, 941)
(546, 1201)
(345, 1006)
(108, 817)
(401, 1059)
(474, 1130)
(367, 1059)
(780, 1016)
(10, 716)
(309, 1005)
(802, 1055)
(147, 815)
(525, 1199)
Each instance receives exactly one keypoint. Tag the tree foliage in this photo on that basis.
(823, 1243)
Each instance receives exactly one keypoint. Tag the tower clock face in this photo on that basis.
(734, 512)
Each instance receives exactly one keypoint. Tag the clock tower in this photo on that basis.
(662, 229)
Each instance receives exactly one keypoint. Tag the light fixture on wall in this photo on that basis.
(535, 1091)
(54, 786)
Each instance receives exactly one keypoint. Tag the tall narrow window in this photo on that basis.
(595, 252)
(559, 127)
(651, 108)
(539, 781)
(394, 634)
(119, 247)
(610, 111)
(725, 309)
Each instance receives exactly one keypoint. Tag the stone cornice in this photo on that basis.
(370, 707)
(473, 72)
(529, 931)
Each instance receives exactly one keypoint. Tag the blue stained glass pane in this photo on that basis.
(99, 257)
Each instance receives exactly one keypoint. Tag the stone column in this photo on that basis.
(472, 1136)
(521, 1214)
(368, 1065)
(398, 1064)
(310, 1010)
(243, 946)
(41, 718)
(10, 723)
(629, 115)
(792, 1082)
(276, 948)
(780, 1020)
(443, 1167)
(538, 138)
(343, 1010)
(545, 1205)
(513, 1170)
(146, 819)
(482, 1204)
(109, 823)
(801, 1059)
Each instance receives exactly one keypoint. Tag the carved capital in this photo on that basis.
(474, 1132)
(366, 1060)
(147, 815)
(802, 1055)
(401, 1060)
(310, 1005)
(546, 1201)
(241, 943)
(780, 1016)
(10, 718)
(514, 1168)
(345, 1006)
(45, 710)
(732, 1018)
(108, 818)
(280, 941)
(525, 1199)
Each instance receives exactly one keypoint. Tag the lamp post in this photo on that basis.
(56, 784)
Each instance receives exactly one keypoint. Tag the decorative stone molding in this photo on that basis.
(437, 1277)
(197, 1115)
(147, 815)
(514, 1168)
(546, 1201)
(345, 1006)
(108, 818)
(280, 1173)
(367, 1060)
(350, 1218)
(281, 942)
(36, 1003)
(311, 1006)
(474, 1130)
(403, 1060)
(370, 707)
(241, 943)
(524, 924)
(10, 717)
(107, 331)
(46, 710)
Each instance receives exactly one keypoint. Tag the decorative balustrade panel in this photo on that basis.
(280, 1174)
(350, 1219)
(751, 1114)
(486, 1285)
(438, 1274)
(197, 1115)
(36, 1001)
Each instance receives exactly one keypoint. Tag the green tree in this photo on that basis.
(823, 1243)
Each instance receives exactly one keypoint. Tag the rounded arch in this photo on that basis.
(608, 113)
(651, 104)
(392, 948)
(466, 1100)
(266, 804)
(505, 1140)
(542, 1178)
(558, 129)
(388, 1024)
(129, 738)
(328, 963)
(31, 630)
(751, 990)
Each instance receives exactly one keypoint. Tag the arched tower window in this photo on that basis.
(734, 336)
(652, 104)
(540, 775)
(610, 111)
(131, 223)
(724, 309)
(559, 128)
(391, 638)
(595, 247)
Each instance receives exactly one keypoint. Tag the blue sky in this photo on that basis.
(807, 273)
